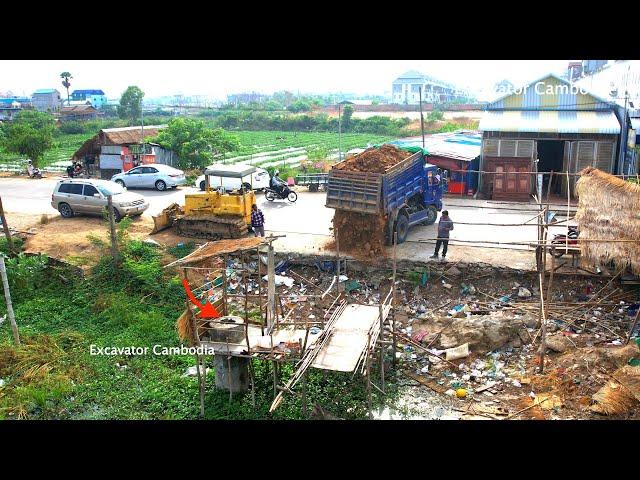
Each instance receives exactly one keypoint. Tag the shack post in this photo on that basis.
(7, 297)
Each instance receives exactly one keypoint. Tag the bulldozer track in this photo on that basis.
(211, 227)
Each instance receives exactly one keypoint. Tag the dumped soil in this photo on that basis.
(374, 160)
(360, 234)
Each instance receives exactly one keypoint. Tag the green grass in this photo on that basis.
(54, 376)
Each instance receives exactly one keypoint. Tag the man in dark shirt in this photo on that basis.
(257, 221)
(445, 225)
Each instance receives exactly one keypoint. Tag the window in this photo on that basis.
(72, 188)
(135, 171)
(149, 170)
(89, 190)
(415, 88)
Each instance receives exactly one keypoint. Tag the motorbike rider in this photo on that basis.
(278, 184)
(32, 171)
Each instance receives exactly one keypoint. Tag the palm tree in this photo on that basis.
(65, 83)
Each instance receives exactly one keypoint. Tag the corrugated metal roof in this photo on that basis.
(549, 93)
(457, 146)
(558, 121)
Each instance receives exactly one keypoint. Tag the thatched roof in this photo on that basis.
(609, 210)
(127, 135)
(219, 248)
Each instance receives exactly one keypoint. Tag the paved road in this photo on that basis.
(309, 216)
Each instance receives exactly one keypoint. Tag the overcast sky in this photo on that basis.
(218, 78)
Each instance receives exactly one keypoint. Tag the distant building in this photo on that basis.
(406, 89)
(244, 98)
(592, 66)
(574, 71)
(78, 112)
(46, 100)
(97, 98)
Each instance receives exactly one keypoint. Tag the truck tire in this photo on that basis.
(432, 215)
(402, 228)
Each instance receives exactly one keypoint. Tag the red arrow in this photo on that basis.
(207, 310)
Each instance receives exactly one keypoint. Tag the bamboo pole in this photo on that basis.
(337, 262)
(368, 362)
(5, 227)
(393, 301)
(196, 343)
(112, 230)
(633, 326)
(7, 297)
(381, 348)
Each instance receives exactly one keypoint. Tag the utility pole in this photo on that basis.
(142, 125)
(421, 116)
(7, 232)
(7, 297)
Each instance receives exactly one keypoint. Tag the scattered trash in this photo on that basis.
(280, 280)
(458, 352)
(193, 371)
(461, 393)
(467, 289)
(524, 292)
(448, 286)
(314, 330)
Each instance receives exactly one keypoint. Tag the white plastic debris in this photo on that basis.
(461, 351)
(280, 280)
(343, 278)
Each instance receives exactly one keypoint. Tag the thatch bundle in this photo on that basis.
(620, 395)
(609, 210)
(184, 326)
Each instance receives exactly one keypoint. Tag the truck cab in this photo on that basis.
(420, 208)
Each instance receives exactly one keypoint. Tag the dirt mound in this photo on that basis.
(374, 160)
(360, 233)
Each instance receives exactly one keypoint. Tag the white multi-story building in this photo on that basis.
(406, 89)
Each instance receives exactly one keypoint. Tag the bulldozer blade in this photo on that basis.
(161, 222)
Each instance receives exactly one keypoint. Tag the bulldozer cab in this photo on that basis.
(216, 200)
(239, 173)
(214, 211)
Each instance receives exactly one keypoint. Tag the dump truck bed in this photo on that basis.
(375, 193)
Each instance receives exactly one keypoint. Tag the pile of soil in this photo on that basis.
(374, 160)
(360, 233)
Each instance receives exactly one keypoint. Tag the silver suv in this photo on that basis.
(90, 197)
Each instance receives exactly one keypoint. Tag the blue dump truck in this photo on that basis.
(407, 194)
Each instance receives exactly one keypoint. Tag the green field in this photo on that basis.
(257, 148)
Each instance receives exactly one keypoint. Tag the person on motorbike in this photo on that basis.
(32, 171)
(278, 184)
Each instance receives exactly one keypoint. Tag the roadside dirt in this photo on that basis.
(71, 239)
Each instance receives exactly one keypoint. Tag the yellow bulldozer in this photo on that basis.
(217, 212)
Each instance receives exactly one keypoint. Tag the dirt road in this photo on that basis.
(307, 222)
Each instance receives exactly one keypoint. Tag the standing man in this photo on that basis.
(445, 225)
(257, 221)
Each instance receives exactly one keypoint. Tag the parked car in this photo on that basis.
(88, 196)
(155, 175)
(260, 180)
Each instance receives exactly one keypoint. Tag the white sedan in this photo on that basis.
(259, 179)
(155, 175)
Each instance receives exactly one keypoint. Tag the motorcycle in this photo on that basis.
(562, 240)
(288, 194)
